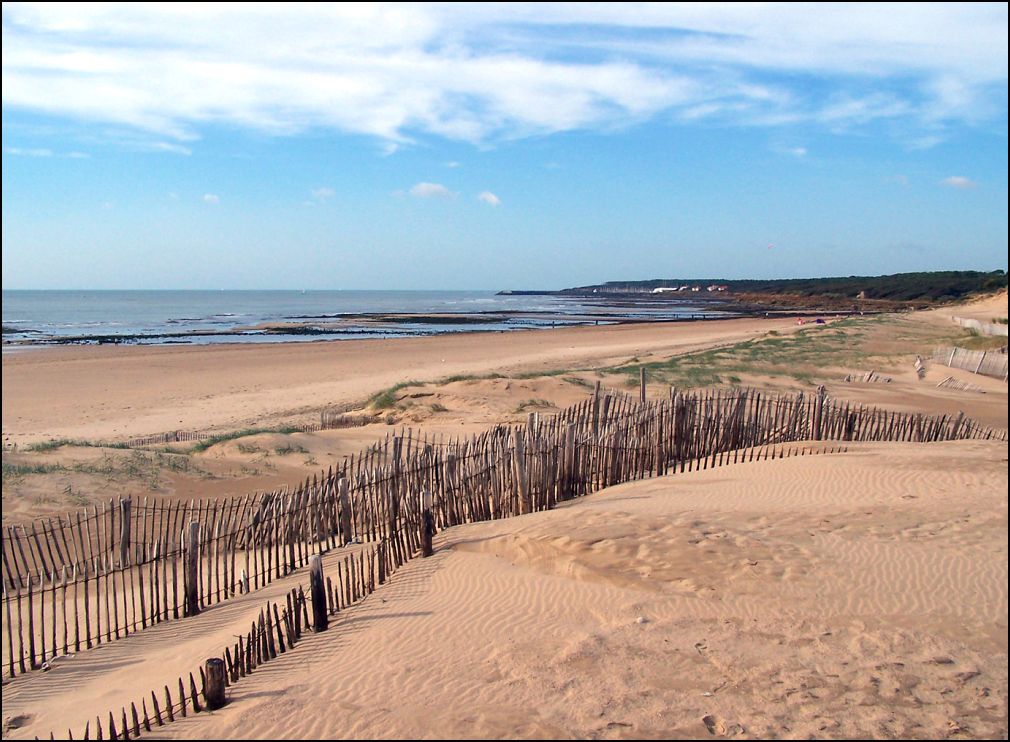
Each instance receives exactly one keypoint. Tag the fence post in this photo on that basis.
(980, 362)
(345, 512)
(569, 463)
(641, 384)
(192, 569)
(957, 425)
(819, 412)
(317, 589)
(427, 524)
(213, 688)
(450, 489)
(596, 410)
(124, 532)
(520, 472)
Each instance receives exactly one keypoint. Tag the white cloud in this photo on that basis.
(489, 198)
(452, 164)
(36, 152)
(175, 149)
(477, 73)
(323, 193)
(211, 198)
(430, 190)
(44, 152)
(959, 181)
(797, 151)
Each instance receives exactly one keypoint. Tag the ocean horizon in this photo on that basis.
(198, 317)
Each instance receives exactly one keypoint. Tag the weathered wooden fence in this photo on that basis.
(961, 386)
(280, 626)
(985, 328)
(986, 362)
(75, 582)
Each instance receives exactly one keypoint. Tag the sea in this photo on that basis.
(38, 318)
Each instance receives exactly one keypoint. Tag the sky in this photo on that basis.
(498, 146)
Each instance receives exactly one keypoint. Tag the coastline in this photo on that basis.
(202, 317)
(118, 391)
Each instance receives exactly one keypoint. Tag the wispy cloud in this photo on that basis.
(44, 152)
(478, 73)
(430, 190)
(489, 198)
(323, 193)
(959, 181)
(211, 198)
(32, 152)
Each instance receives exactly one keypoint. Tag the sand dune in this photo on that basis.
(984, 309)
(846, 595)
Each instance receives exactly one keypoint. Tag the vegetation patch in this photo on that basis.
(13, 473)
(56, 443)
(930, 287)
(527, 404)
(289, 449)
(387, 397)
(805, 355)
(214, 440)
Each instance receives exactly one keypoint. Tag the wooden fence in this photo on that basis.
(986, 362)
(97, 576)
(985, 328)
(279, 628)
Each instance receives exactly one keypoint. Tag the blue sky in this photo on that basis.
(489, 147)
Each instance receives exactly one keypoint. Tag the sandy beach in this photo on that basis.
(842, 595)
(839, 595)
(458, 385)
(113, 393)
(118, 392)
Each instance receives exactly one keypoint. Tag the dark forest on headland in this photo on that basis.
(932, 287)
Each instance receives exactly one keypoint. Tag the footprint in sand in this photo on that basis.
(15, 722)
(720, 727)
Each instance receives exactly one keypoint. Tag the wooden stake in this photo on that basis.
(427, 524)
(192, 569)
(213, 690)
(317, 589)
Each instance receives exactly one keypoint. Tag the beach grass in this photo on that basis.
(56, 443)
(807, 356)
(289, 449)
(206, 443)
(139, 466)
(387, 398)
(528, 404)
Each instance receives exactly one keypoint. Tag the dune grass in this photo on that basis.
(206, 443)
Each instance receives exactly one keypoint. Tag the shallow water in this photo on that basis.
(201, 317)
